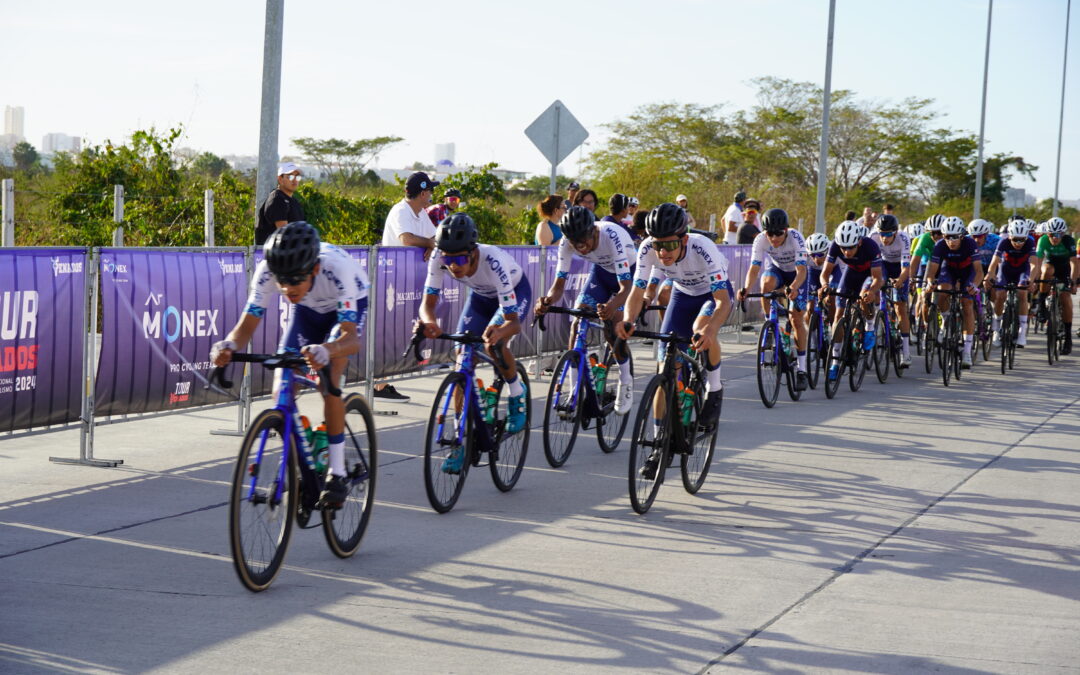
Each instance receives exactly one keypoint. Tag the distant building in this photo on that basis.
(13, 121)
(58, 142)
(445, 153)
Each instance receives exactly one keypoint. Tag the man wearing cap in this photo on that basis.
(733, 219)
(750, 228)
(441, 212)
(683, 203)
(408, 224)
(280, 207)
(571, 193)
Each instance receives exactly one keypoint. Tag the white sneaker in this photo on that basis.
(997, 338)
(624, 398)
(1021, 339)
(965, 362)
(905, 360)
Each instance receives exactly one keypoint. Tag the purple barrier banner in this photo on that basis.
(162, 309)
(556, 337)
(42, 316)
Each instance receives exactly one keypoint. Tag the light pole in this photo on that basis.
(271, 101)
(982, 118)
(1061, 115)
(819, 226)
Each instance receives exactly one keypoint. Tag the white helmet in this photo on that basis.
(1018, 228)
(933, 223)
(1040, 228)
(863, 229)
(817, 243)
(848, 234)
(1056, 226)
(953, 225)
(1031, 224)
(1004, 230)
(915, 230)
(980, 226)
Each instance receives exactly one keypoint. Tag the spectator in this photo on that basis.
(587, 198)
(280, 207)
(619, 205)
(551, 211)
(407, 223)
(850, 215)
(750, 227)
(888, 210)
(571, 194)
(440, 212)
(628, 221)
(733, 219)
(682, 202)
(868, 218)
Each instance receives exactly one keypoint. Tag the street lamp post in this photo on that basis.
(1061, 115)
(982, 118)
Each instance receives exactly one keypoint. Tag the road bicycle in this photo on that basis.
(853, 355)
(888, 345)
(1010, 326)
(984, 337)
(581, 392)
(276, 480)
(1055, 331)
(468, 425)
(951, 345)
(776, 356)
(666, 424)
(815, 342)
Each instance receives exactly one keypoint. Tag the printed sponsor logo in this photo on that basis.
(182, 393)
(18, 315)
(230, 268)
(174, 323)
(113, 268)
(65, 267)
(390, 297)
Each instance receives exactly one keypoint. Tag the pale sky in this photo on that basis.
(477, 72)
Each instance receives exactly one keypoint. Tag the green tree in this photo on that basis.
(208, 164)
(344, 162)
(25, 156)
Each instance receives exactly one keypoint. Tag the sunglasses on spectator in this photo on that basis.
(672, 245)
(459, 260)
(291, 176)
(953, 237)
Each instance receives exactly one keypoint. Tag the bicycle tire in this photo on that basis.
(858, 358)
(814, 345)
(694, 465)
(258, 554)
(344, 527)
(948, 353)
(984, 335)
(512, 449)
(561, 422)
(833, 386)
(443, 489)
(768, 364)
(930, 340)
(643, 490)
(882, 347)
(1051, 329)
(1005, 335)
(610, 426)
(958, 345)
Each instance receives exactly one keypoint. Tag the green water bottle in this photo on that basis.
(785, 336)
(320, 448)
(686, 397)
(491, 404)
(600, 377)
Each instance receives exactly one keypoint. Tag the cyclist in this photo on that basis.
(896, 260)
(329, 293)
(782, 250)
(1058, 251)
(817, 246)
(1012, 264)
(955, 263)
(862, 259)
(498, 299)
(608, 247)
(700, 298)
(921, 249)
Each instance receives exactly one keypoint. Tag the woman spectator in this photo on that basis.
(588, 199)
(551, 211)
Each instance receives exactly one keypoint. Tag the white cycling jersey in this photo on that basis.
(613, 252)
(339, 286)
(701, 269)
(787, 256)
(899, 251)
(496, 276)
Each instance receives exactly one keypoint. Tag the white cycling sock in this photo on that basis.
(967, 344)
(836, 349)
(995, 323)
(905, 344)
(516, 387)
(337, 459)
(801, 358)
(624, 372)
(712, 380)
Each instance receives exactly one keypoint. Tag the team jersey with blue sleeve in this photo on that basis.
(339, 286)
(787, 256)
(701, 269)
(497, 274)
(613, 252)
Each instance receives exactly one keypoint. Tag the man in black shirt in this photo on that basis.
(750, 228)
(280, 207)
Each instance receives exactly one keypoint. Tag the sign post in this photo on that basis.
(556, 133)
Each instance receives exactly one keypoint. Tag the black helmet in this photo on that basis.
(456, 234)
(666, 220)
(888, 223)
(577, 223)
(292, 251)
(618, 203)
(775, 221)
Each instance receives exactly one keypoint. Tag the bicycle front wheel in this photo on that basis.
(1051, 330)
(948, 352)
(509, 461)
(882, 348)
(768, 364)
(815, 343)
(261, 504)
(447, 445)
(857, 357)
(832, 384)
(345, 527)
(930, 341)
(609, 426)
(649, 442)
(562, 414)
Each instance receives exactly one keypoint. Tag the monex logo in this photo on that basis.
(175, 323)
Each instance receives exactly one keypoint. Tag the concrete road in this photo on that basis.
(906, 527)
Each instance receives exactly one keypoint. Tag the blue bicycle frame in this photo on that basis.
(287, 406)
(592, 408)
(470, 406)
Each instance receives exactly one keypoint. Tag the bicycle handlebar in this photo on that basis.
(270, 361)
(466, 338)
(553, 309)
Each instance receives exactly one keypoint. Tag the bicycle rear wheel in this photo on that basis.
(345, 527)
(815, 343)
(768, 364)
(930, 339)
(1051, 330)
(509, 461)
(609, 426)
(882, 348)
(984, 335)
(694, 465)
(648, 442)
(444, 477)
(562, 415)
(260, 521)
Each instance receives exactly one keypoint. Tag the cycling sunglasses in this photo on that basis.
(953, 237)
(1018, 240)
(459, 260)
(292, 279)
(775, 234)
(672, 245)
(849, 248)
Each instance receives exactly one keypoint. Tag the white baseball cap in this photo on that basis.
(680, 198)
(286, 168)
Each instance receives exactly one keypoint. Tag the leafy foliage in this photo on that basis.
(344, 162)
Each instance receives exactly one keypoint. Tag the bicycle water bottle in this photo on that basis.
(491, 404)
(785, 336)
(687, 403)
(600, 375)
(308, 433)
(320, 448)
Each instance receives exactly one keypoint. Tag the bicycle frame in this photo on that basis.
(469, 406)
(287, 405)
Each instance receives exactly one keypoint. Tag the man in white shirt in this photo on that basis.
(408, 224)
(733, 219)
(685, 206)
